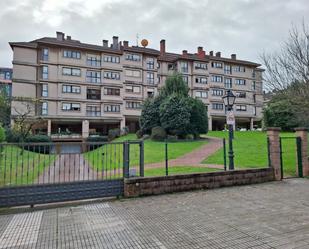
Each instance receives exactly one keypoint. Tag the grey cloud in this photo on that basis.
(245, 27)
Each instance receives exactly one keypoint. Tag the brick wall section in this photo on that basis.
(274, 151)
(141, 186)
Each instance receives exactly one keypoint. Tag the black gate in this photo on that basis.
(55, 172)
(291, 157)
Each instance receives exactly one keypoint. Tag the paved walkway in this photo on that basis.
(195, 157)
(269, 215)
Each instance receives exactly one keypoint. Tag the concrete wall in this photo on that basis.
(134, 187)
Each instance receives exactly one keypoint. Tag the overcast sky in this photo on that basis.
(244, 27)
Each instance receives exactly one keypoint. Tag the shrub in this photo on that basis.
(97, 139)
(172, 138)
(139, 134)
(113, 133)
(150, 114)
(2, 134)
(198, 118)
(11, 136)
(44, 149)
(125, 131)
(158, 133)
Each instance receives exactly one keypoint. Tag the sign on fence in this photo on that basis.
(230, 118)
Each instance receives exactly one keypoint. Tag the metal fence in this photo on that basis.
(49, 163)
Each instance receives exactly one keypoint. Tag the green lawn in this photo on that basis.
(110, 156)
(250, 150)
(178, 170)
(17, 168)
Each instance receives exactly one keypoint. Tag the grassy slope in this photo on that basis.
(154, 152)
(250, 150)
(18, 168)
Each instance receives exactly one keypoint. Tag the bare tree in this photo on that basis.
(291, 63)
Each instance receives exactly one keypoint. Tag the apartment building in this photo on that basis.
(87, 89)
(6, 80)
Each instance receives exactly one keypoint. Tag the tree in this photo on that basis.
(174, 110)
(287, 76)
(175, 115)
(5, 108)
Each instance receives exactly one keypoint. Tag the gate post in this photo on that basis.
(303, 134)
(275, 151)
(141, 158)
(126, 159)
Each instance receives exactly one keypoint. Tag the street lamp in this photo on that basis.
(229, 100)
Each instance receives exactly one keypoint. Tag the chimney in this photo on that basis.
(200, 53)
(218, 54)
(184, 52)
(211, 53)
(115, 42)
(69, 38)
(125, 44)
(233, 56)
(60, 36)
(162, 47)
(105, 43)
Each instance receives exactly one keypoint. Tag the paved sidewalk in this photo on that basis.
(269, 215)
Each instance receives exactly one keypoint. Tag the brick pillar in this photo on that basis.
(274, 150)
(303, 134)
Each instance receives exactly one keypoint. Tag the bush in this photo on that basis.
(97, 139)
(139, 134)
(2, 134)
(44, 149)
(125, 131)
(198, 118)
(150, 114)
(113, 133)
(11, 136)
(172, 138)
(158, 133)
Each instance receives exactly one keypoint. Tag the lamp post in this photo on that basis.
(229, 100)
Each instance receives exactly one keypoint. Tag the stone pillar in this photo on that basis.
(210, 123)
(303, 134)
(274, 151)
(48, 127)
(85, 129)
(251, 124)
(122, 124)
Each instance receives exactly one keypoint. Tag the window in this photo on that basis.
(44, 108)
(228, 83)
(45, 53)
(71, 54)
(150, 63)
(241, 108)
(227, 69)
(94, 94)
(217, 106)
(216, 64)
(254, 111)
(44, 90)
(202, 66)
(171, 66)
(216, 78)
(111, 59)
(45, 72)
(158, 79)
(133, 89)
(201, 94)
(240, 82)
(93, 60)
(253, 73)
(241, 95)
(93, 110)
(217, 92)
(8, 75)
(111, 75)
(150, 93)
(2, 75)
(112, 91)
(239, 69)
(133, 57)
(158, 64)
(201, 80)
(150, 78)
(71, 71)
(185, 79)
(253, 86)
(184, 68)
(70, 89)
(93, 76)
(111, 108)
(133, 73)
(133, 105)
(70, 106)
